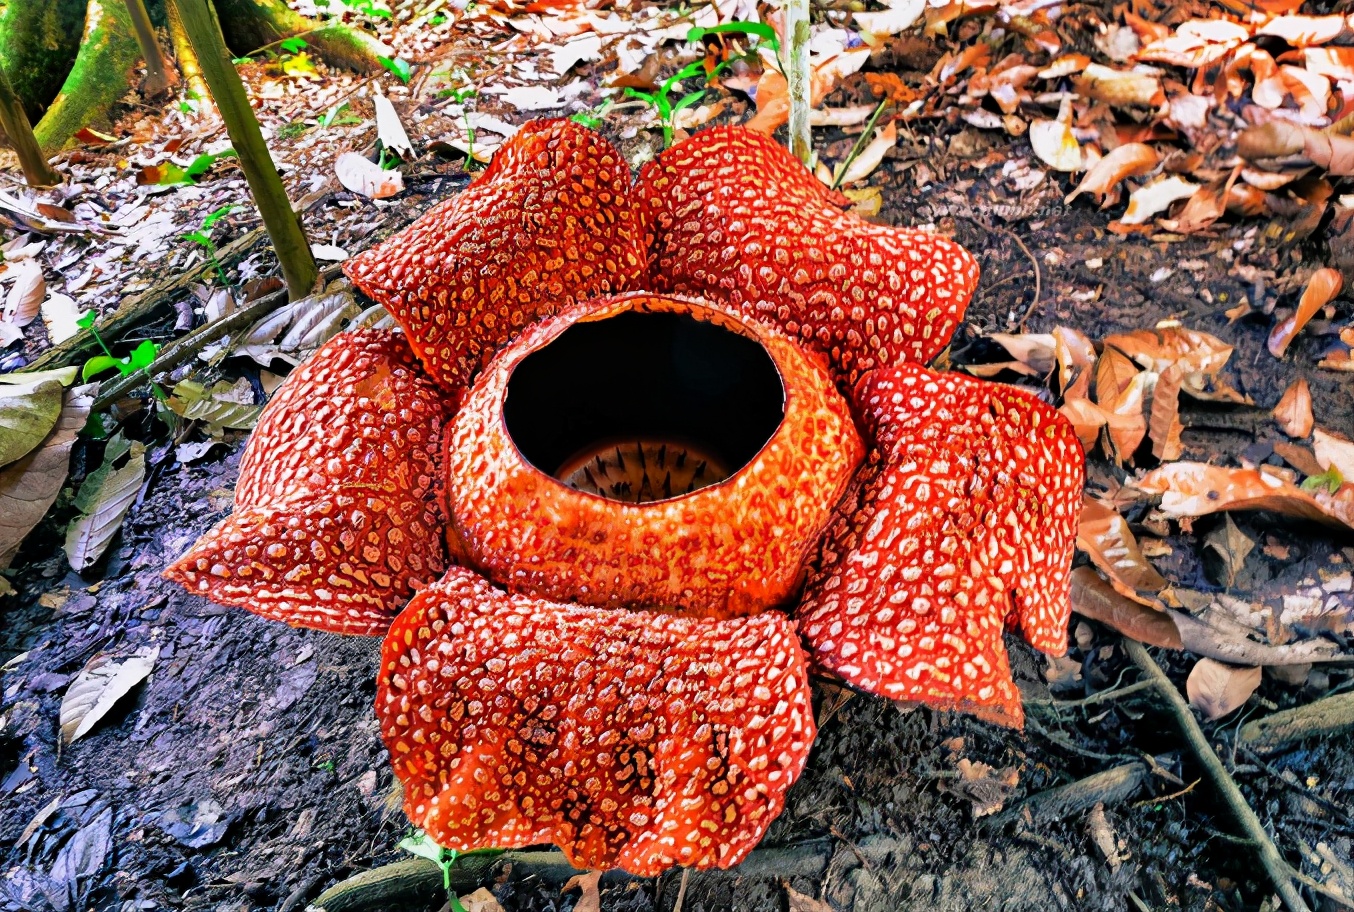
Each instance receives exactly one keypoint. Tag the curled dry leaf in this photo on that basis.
(1106, 539)
(1127, 424)
(1120, 87)
(1232, 546)
(1280, 139)
(366, 178)
(1159, 349)
(98, 687)
(1094, 598)
(61, 315)
(1294, 411)
(1334, 452)
(1053, 142)
(1087, 419)
(1155, 197)
(1216, 689)
(1198, 489)
(389, 128)
(1102, 180)
(1164, 425)
(25, 295)
(1321, 289)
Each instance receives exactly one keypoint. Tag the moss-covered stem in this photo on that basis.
(96, 80)
(189, 68)
(20, 132)
(157, 77)
(798, 76)
(284, 227)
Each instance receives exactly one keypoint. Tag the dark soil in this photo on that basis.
(247, 771)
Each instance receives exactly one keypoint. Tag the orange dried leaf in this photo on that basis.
(1294, 411)
(1216, 689)
(1106, 539)
(1128, 160)
(1164, 427)
(1334, 452)
(1197, 489)
(1158, 349)
(1321, 289)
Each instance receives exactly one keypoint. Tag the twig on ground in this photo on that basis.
(1278, 869)
(1327, 716)
(1109, 788)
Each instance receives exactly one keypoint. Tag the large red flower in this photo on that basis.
(673, 442)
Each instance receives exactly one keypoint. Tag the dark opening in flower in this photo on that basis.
(644, 406)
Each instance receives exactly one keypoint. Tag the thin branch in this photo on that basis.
(1275, 865)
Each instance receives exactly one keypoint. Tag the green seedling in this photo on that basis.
(143, 356)
(592, 118)
(1329, 481)
(368, 8)
(293, 45)
(203, 236)
(172, 174)
(335, 117)
(759, 30)
(399, 66)
(419, 844)
(667, 110)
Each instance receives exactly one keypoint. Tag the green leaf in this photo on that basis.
(688, 100)
(87, 321)
(223, 406)
(757, 29)
(1331, 480)
(399, 66)
(28, 412)
(217, 214)
(143, 355)
(100, 363)
(198, 237)
(294, 45)
(89, 536)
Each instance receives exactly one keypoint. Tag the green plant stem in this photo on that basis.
(284, 227)
(36, 170)
(860, 145)
(157, 77)
(186, 57)
(798, 77)
(1270, 857)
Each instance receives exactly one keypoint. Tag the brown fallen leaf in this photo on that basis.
(1164, 427)
(1299, 457)
(1096, 599)
(1321, 289)
(802, 902)
(1216, 689)
(1190, 489)
(591, 900)
(1294, 411)
(1126, 424)
(1232, 546)
(1158, 349)
(1087, 419)
(1334, 452)
(1106, 539)
(1332, 152)
(1113, 374)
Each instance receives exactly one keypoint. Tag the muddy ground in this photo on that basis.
(247, 772)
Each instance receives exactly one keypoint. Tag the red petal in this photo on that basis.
(735, 217)
(337, 511)
(548, 223)
(733, 548)
(966, 524)
(629, 740)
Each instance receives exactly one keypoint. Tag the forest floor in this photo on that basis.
(246, 770)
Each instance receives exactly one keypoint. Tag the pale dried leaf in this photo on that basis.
(1155, 197)
(480, 901)
(1294, 411)
(802, 902)
(1199, 489)
(1216, 689)
(28, 412)
(1161, 348)
(1056, 146)
(89, 535)
(1232, 546)
(25, 295)
(1103, 178)
(1087, 419)
(591, 900)
(61, 314)
(899, 16)
(872, 155)
(1333, 451)
(98, 687)
(1164, 425)
(366, 178)
(1120, 87)
(389, 129)
(1104, 536)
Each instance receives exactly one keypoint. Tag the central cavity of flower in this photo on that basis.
(649, 451)
(640, 407)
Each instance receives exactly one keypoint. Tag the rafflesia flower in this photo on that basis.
(643, 456)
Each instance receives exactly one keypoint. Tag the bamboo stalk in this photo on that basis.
(36, 170)
(157, 78)
(283, 225)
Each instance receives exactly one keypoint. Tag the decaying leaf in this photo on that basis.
(480, 901)
(1324, 285)
(29, 486)
(28, 412)
(872, 155)
(1155, 197)
(1056, 146)
(366, 178)
(1216, 689)
(898, 16)
(105, 506)
(25, 296)
(1334, 452)
(98, 687)
(1104, 177)
(1158, 349)
(389, 129)
(293, 332)
(591, 900)
(1232, 547)
(1123, 88)
(225, 405)
(1164, 427)
(1106, 539)
(61, 315)
(1087, 419)
(1294, 411)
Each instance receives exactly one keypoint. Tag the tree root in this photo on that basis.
(190, 69)
(38, 41)
(97, 79)
(253, 24)
(1327, 716)
(405, 884)
(1278, 869)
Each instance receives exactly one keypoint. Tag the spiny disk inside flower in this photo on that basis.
(966, 525)
(629, 740)
(659, 387)
(548, 223)
(337, 515)
(733, 216)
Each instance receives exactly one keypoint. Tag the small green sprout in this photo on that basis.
(667, 110)
(421, 845)
(399, 66)
(1330, 481)
(592, 118)
(143, 356)
(758, 30)
(335, 117)
(203, 237)
(293, 45)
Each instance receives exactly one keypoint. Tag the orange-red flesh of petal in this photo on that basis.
(548, 223)
(729, 549)
(630, 740)
(338, 516)
(966, 525)
(733, 216)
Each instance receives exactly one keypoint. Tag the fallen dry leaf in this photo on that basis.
(25, 296)
(1294, 411)
(1155, 197)
(366, 178)
(591, 900)
(1159, 349)
(1053, 142)
(1232, 546)
(1087, 419)
(1104, 536)
(98, 687)
(1321, 289)
(1164, 427)
(871, 156)
(1198, 489)
(1104, 177)
(1216, 689)
(1333, 451)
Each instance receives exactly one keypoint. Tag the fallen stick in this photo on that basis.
(1109, 787)
(1275, 865)
(1327, 716)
